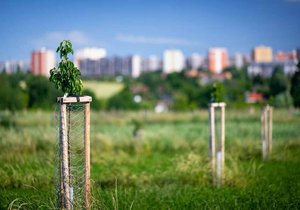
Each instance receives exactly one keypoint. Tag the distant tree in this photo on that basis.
(278, 82)
(5, 91)
(295, 87)
(97, 104)
(154, 81)
(13, 97)
(123, 100)
(238, 85)
(180, 102)
(42, 94)
(282, 100)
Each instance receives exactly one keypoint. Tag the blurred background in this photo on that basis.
(151, 68)
(159, 55)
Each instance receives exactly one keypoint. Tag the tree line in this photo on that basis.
(182, 92)
(177, 90)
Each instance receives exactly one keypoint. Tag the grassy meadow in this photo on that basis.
(103, 90)
(166, 167)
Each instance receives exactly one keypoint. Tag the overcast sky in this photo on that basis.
(148, 27)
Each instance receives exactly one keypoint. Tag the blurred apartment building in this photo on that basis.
(217, 60)
(111, 66)
(89, 53)
(264, 62)
(151, 63)
(173, 61)
(195, 61)
(238, 60)
(13, 66)
(281, 56)
(262, 54)
(42, 61)
(298, 54)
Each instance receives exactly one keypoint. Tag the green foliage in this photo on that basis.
(180, 102)
(295, 87)
(13, 96)
(186, 93)
(66, 77)
(123, 100)
(7, 120)
(218, 92)
(22, 90)
(97, 103)
(137, 127)
(237, 86)
(283, 100)
(42, 94)
(155, 82)
(278, 82)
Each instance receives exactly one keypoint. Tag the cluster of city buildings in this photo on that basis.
(264, 61)
(94, 62)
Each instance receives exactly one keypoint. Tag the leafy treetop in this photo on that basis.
(218, 92)
(66, 76)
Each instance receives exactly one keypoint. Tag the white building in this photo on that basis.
(136, 66)
(238, 60)
(89, 53)
(151, 63)
(173, 61)
(196, 61)
(50, 61)
(266, 69)
(11, 66)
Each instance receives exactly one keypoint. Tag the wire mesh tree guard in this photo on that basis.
(217, 144)
(73, 184)
(266, 131)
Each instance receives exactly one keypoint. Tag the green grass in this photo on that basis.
(103, 90)
(166, 168)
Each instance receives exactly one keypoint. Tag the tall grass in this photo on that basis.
(167, 167)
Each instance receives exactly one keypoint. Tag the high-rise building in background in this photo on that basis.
(136, 66)
(12, 66)
(111, 66)
(281, 56)
(195, 61)
(173, 61)
(298, 53)
(238, 60)
(217, 60)
(42, 61)
(262, 54)
(151, 63)
(89, 53)
(266, 69)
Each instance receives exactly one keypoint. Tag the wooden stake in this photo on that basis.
(87, 154)
(270, 129)
(64, 156)
(217, 168)
(263, 135)
(212, 141)
(222, 142)
(266, 131)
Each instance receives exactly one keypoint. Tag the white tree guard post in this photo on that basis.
(217, 155)
(65, 195)
(266, 131)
